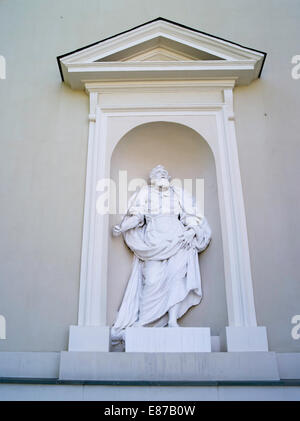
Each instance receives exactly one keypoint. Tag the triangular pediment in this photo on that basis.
(161, 49)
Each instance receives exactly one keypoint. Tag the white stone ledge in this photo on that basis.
(139, 366)
(289, 365)
(27, 392)
(29, 364)
(45, 365)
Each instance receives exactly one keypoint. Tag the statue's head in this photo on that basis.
(159, 177)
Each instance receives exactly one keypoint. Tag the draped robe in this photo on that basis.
(164, 273)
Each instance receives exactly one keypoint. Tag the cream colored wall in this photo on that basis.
(43, 141)
(186, 155)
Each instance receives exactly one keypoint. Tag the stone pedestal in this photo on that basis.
(244, 339)
(89, 338)
(164, 339)
(168, 366)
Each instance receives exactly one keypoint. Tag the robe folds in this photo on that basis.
(164, 273)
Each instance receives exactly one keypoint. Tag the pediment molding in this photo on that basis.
(158, 50)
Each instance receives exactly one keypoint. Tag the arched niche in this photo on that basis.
(186, 155)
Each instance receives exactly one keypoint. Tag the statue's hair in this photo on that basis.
(158, 172)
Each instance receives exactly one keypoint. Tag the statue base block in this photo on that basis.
(89, 338)
(167, 339)
(244, 339)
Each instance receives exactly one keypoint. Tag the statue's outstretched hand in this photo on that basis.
(126, 225)
(116, 230)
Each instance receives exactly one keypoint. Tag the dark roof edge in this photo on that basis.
(147, 23)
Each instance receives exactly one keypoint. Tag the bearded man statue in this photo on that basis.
(165, 231)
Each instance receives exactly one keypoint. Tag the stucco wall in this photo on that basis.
(43, 141)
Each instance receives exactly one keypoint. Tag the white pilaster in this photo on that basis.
(91, 334)
(242, 333)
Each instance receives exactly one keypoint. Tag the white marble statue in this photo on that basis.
(165, 232)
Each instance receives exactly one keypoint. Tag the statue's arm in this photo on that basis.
(127, 224)
(203, 234)
(197, 229)
(135, 213)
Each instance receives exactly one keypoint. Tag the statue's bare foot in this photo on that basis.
(173, 323)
